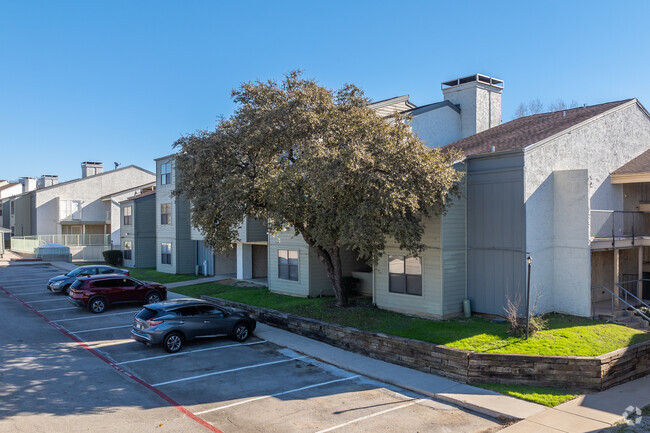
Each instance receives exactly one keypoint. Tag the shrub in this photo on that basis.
(517, 323)
(350, 285)
(113, 257)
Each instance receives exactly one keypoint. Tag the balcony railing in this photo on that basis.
(29, 243)
(609, 224)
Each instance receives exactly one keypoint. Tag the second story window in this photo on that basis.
(166, 173)
(166, 213)
(128, 215)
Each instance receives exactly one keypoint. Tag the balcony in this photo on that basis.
(619, 228)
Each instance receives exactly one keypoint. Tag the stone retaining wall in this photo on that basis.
(571, 372)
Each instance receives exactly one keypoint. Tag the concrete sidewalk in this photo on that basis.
(588, 413)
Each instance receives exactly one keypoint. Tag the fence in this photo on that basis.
(87, 247)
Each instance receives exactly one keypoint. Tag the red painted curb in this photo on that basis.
(136, 379)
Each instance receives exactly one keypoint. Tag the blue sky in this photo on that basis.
(122, 80)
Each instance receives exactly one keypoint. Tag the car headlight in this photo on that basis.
(57, 283)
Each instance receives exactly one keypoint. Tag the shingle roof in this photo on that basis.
(9, 185)
(522, 132)
(640, 164)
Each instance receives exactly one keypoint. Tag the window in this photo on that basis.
(405, 275)
(12, 207)
(166, 213)
(288, 265)
(166, 254)
(166, 173)
(128, 215)
(127, 250)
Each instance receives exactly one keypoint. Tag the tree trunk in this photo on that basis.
(331, 259)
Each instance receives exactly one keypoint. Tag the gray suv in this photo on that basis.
(172, 323)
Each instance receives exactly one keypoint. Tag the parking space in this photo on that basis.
(240, 387)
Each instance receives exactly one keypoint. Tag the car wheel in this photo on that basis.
(240, 332)
(152, 298)
(66, 290)
(173, 342)
(97, 305)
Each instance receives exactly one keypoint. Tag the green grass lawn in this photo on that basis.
(565, 336)
(150, 274)
(537, 394)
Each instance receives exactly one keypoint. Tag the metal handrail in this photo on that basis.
(627, 292)
(620, 299)
(614, 224)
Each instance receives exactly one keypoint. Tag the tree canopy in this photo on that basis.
(320, 162)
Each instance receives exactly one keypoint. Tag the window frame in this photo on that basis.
(129, 250)
(128, 222)
(289, 271)
(167, 220)
(165, 256)
(166, 173)
(409, 283)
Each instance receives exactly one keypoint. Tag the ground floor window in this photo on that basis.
(166, 254)
(127, 250)
(405, 275)
(288, 265)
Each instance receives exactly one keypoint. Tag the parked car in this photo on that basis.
(61, 283)
(98, 292)
(172, 323)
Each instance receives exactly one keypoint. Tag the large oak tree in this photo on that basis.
(320, 162)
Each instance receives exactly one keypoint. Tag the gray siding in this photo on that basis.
(454, 254)
(185, 246)
(144, 220)
(226, 262)
(496, 232)
(23, 215)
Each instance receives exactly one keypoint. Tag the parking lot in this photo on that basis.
(215, 384)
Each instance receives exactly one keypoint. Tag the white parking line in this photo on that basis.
(275, 395)
(47, 300)
(190, 351)
(95, 316)
(99, 329)
(229, 371)
(31, 293)
(372, 415)
(57, 309)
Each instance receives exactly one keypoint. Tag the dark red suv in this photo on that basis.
(99, 291)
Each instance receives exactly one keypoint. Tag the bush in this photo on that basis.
(517, 324)
(350, 285)
(113, 257)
